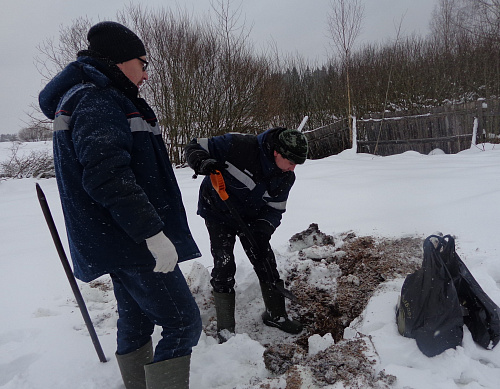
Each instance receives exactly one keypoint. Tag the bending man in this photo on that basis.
(258, 172)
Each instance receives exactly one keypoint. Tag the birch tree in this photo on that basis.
(344, 25)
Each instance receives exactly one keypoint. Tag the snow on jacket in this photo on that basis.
(257, 188)
(115, 180)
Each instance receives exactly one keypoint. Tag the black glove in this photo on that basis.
(209, 166)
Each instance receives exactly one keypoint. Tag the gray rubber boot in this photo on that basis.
(224, 308)
(132, 366)
(169, 374)
(275, 314)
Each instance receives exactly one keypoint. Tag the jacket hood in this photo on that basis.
(84, 69)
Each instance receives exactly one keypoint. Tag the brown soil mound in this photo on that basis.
(365, 262)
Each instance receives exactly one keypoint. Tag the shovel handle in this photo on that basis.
(219, 185)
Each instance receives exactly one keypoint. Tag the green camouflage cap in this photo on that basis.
(292, 145)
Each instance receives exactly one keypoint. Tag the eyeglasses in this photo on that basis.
(145, 64)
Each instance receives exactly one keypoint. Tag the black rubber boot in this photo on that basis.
(224, 307)
(132, 366)
(275, 314)
(169, 374)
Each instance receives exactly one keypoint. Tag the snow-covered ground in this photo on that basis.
(44, 342)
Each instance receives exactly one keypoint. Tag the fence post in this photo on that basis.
(474, 133)
(354, 134)
(480, 119)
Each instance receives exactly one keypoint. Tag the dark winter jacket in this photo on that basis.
(257, 188)
(115, 179)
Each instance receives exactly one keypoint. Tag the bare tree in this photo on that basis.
(176, 54)
(445, 24)
(483, 18)
(479, 18)
(243, 73)
(21, 164)
(35, 133)
(54, 55)
(344, 26)
(205, 79)
(8, 137)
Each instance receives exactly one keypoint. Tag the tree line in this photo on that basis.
(206, 78)
(34, 133)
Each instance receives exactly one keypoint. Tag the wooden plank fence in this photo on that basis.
(449, 128)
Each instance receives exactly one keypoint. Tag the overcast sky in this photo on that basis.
(296, 26)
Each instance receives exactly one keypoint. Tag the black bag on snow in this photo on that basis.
(482, 315)
(429, 309)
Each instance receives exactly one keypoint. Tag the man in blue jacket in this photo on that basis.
(258, 173)
(122, 206)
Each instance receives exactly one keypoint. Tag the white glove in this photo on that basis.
(163, 252)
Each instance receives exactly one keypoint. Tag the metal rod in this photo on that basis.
(69, 272)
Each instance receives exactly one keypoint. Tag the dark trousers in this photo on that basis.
(222, 241)
(145, 299)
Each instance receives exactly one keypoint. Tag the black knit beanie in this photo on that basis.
(114, 41)
(292, 145)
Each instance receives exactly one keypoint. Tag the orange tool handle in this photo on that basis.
(219, 185)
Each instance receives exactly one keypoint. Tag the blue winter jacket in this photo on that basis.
(257, 188)
(115, 179)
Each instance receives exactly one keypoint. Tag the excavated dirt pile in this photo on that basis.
(360, 264)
